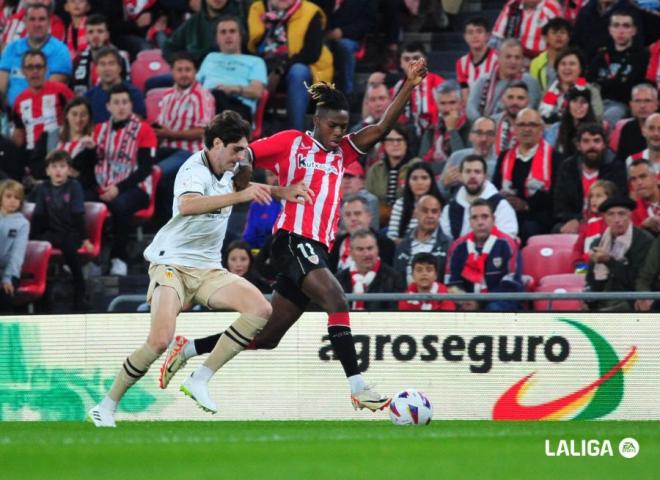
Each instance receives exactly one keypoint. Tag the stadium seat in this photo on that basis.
(616, 133)
(144, 215)
(558, 305)
(258, 123)
(151, 54)
(34, 274)
(146, 67)
(539, 261)
(95, 215)
(554, 240)
(567, 280)
(153, 99)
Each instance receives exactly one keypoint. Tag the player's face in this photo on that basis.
(120, 106)
(97, 35)
(424, 274)
(238, 262)
(34, 69)
(476, 37)
(330, 126)
(10, 202)
(481, 221)
(365, 252)
(183, 73)
(473, 176)
(77, 118)
(225, 157)
(58, 172)
(355, 216)
(651, 131)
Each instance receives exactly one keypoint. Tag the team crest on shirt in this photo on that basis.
(314, 259)
(497, 261)
(169, 274)
(306, 162)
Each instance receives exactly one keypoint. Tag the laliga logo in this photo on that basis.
(628, 448)
(601, 397)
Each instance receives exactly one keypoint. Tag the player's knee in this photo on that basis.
(261, 309)
(337, 304)
(159, 343)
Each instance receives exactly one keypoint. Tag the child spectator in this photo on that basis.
(59, 217)
(425, 280)
(14, 232)
(594, 225)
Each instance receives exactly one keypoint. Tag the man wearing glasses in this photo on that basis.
(525, 175)
(643, 104)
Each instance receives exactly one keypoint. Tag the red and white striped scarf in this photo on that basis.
(440, 148)
(504, 138)
(554, 101)
(595, 228)
(117, 152)
(134, 8)
(361, 282)
(73, 147)
(345, 259)
(540, 174)
(474, 270)
(420, 108)
(81, 38)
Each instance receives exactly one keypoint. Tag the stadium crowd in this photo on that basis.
(549, 126)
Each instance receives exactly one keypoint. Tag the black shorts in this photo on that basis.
(293, 257)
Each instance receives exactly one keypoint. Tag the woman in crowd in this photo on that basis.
(239, 261)
(561, 135)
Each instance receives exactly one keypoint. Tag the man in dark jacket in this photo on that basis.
(643, 104)
(616, 261)
(594, 161)
(369, 275)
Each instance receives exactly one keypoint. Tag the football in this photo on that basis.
(411, 407)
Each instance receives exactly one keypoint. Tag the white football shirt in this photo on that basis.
(194, 240)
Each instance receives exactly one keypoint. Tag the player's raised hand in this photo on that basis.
(299, 193)
(258, 192)
(417, 70)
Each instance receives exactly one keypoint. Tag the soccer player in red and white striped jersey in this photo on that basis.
(480, 60)
(524, 20)
(39, 107)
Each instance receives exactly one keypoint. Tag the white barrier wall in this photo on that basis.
(472, 366)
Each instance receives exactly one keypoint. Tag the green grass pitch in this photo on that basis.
(320, 450)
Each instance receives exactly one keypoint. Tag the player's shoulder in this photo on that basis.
(282, 139)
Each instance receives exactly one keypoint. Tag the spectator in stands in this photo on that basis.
(97, 36)
(515, 98)
(376, 100)
(421, 112)
(39, 108)
(524, 20)
(108, 66)
(125, 148)
(485, 260)
(419, 182)
(185, 110)
(59, 218)
(486, 96)
(12, 161)
(197, 35)
(645, 187)
(288, 34)
(593, 162)
(239, 261)
(643, 103)
(593, 22)
(16, 26)
(653, 71)
(482, 137)
(480, 59)
(455, 220)
(593, 225)
(619, 66)
(355, 215)
(648, 279)
(426, 237)
(578, 111)
(526, 175)
(570, 74)
(237, 80)
(75, 36)
(369, 274)
(616, 261)
(385, 178)
(557, 34)
(261, 218)
(58, 60)
(651, 132)
(451, 130)
(14, 233)
(348, 24)
(353, 183)
(425, 280)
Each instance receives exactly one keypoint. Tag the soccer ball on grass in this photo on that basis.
(411, 407)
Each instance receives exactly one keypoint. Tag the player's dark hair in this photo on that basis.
(481, 202)
(58, 156)
(474, 158)
(477, 22)
(409, 197)
(228, 126)
(96, 19)
(556, 24)
(33, 52)
(327, 97)
(425, 258)
(118, 89)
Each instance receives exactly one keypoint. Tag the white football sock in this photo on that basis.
(108, 404)
(357, 383)
(189, 350)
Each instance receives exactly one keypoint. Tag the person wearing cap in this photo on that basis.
(618, 255)
(593, 162)
(353, 183)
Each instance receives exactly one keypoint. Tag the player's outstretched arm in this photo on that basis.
(298, 193)
(198, 204)
(369, 136)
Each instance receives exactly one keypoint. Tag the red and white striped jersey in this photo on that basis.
(526, 24)
(40, 111)
(182, 110)
(297, 157)
(468, 72)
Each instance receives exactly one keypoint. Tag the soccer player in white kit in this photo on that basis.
(186, 267)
